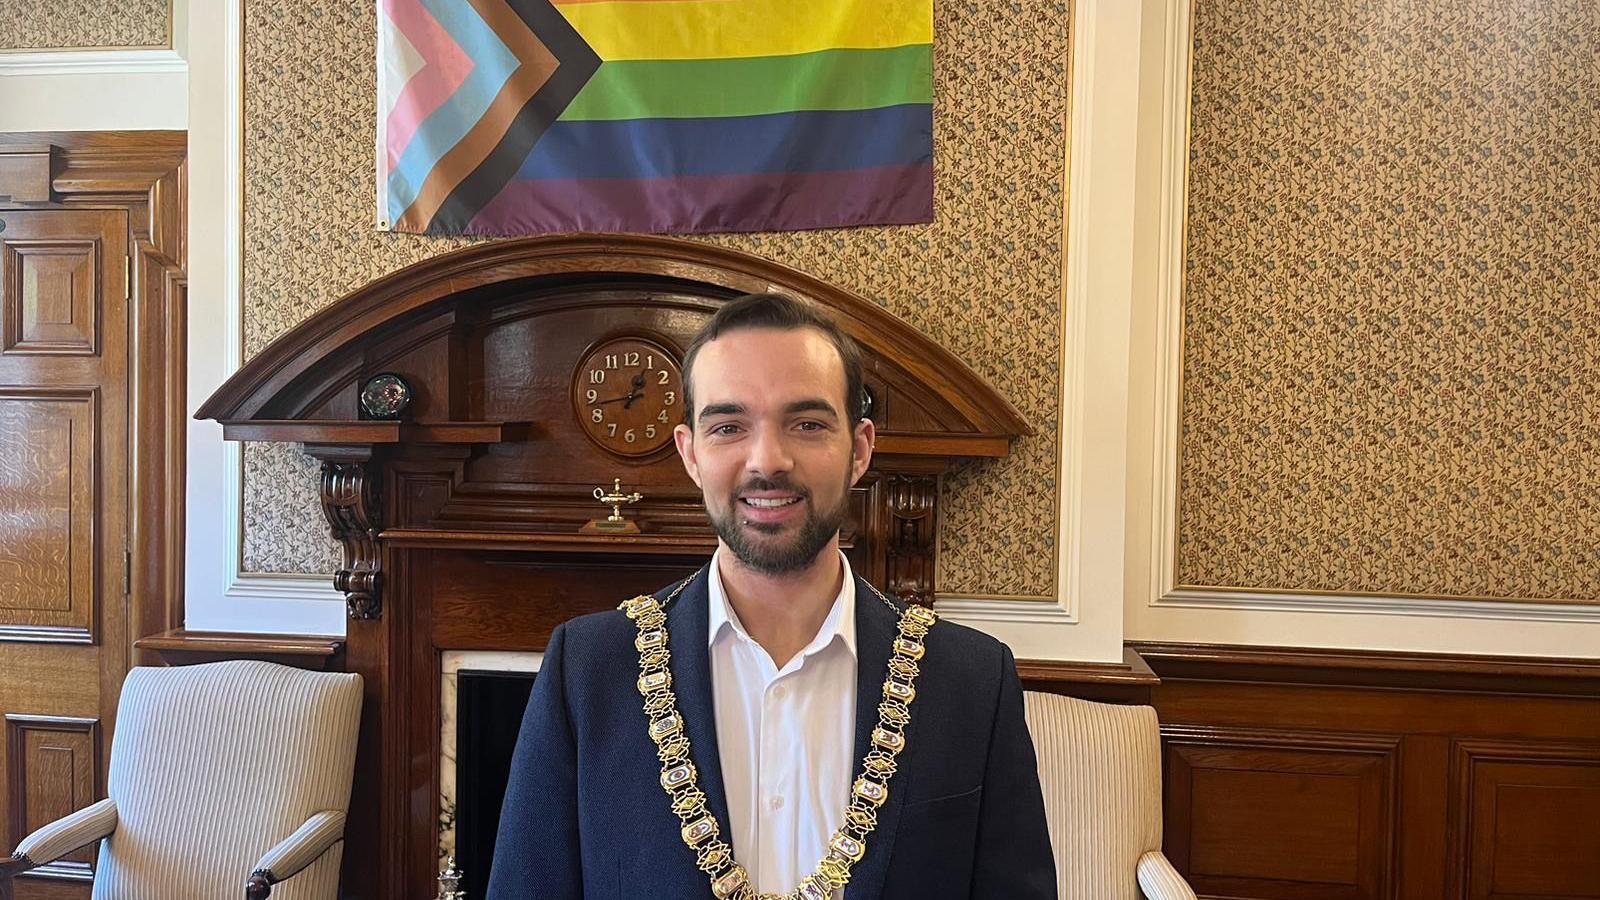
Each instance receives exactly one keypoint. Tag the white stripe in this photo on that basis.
(68, 833)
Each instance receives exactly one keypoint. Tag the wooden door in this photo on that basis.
(63, 518)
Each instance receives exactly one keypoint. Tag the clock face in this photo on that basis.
(627, 394)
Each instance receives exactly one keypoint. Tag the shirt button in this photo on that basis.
(780, 692)
(776, 802)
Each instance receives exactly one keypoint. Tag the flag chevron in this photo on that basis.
(576, 64)
(444, 67)
(493, 63)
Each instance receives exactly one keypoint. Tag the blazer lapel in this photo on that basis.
(688, 625)
(876, 628)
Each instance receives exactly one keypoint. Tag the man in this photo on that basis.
(773, 724)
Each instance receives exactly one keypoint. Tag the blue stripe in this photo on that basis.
(811, 141)
(493, 63)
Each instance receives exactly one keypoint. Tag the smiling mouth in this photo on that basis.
(769, 502)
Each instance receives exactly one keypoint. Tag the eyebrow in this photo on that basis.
(722, 409)
(814, 404)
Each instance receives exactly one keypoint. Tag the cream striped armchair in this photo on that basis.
(1100, 768)
(225, 778)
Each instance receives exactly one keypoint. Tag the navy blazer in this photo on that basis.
(585, 815)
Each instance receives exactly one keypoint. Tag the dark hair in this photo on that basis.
(783, 313)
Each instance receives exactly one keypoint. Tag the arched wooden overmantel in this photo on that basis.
(932, 410)
(461, 523)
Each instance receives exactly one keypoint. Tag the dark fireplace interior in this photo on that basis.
(489, 707)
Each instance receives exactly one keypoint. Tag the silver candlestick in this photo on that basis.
(450, 881)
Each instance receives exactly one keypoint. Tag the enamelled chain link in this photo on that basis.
(700, 831)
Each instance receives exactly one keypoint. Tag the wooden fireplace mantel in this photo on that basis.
(461, 522)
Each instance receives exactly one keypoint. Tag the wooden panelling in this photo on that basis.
(1433, 672)
(1315, 774)
(1282, 814)
(51, 297)
(180, 646)
(31, 888)
(1526, 818)
(123, 193)
(92, 413)
(53, 767)
(26, 170)
(1130, 681)
(48, 470)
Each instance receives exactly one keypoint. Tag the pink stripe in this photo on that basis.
(445, 66)
(769, 201)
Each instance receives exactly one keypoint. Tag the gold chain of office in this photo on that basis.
(729, 880)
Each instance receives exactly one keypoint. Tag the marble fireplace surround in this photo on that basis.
(452, 662)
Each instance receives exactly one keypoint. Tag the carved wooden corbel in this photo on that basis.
(350, 501)
(910, 501)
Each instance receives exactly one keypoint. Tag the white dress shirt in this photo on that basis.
(784, 738)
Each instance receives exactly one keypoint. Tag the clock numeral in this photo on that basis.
(596, 414)
(649, 431)
(650, 361)
(611, 430)
(661, 377)
(630, 359)
(661, 416)
(592, 395)
(629, 436)
(611, 360)
(672, 397)
(597, 376)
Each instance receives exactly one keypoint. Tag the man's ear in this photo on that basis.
(866, 436)
(683, 436)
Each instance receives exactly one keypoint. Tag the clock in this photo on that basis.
(385, 396)
(627, 393)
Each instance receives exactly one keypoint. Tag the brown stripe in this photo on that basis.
(538, 64)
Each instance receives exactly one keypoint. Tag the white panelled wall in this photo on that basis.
(99, 90)
(1155, 611)
(217, 596)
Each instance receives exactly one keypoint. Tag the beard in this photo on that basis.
(780, 557)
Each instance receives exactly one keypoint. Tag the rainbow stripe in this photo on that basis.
(527, 116)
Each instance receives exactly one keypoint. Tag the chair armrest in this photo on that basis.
(1160, 881)
(68, 833)
(300, 849)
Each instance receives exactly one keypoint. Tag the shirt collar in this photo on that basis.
(840, 623)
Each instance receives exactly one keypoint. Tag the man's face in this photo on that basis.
(772, 448)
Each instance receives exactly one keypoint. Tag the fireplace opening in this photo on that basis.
(489, 708)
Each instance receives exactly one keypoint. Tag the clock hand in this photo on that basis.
(637, 392)
(627, 399)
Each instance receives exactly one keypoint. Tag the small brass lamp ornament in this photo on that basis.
(614, 523)
(450, 881)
